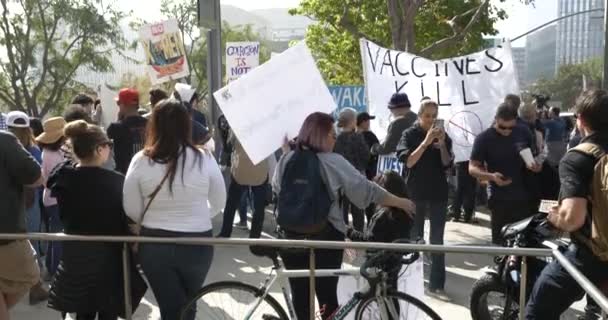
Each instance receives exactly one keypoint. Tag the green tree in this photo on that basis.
(570, 81)
(431, 28)
(46, 42)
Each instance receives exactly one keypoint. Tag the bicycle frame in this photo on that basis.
(282, 276)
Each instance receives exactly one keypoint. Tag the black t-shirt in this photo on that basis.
(129, 138)
(576, 173)
(426, 180)
(501, 154)
(372, 166)
(89, 200)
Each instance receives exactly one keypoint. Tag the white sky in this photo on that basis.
(521, 17)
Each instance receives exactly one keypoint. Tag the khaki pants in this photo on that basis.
(18, 269)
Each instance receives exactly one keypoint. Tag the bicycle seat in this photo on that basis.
(263, 251)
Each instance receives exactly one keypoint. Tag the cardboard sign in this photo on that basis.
(165, 54)
(468, 89)
(272, 101)
(241, 57)
(390, 162)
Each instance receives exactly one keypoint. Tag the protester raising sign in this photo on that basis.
(468, 89)
(241, 57)
(272, 101)
(165, 54)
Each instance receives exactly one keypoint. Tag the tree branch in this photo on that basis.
(344, 23)
(460, 34)
(48, 42)
(9, 52)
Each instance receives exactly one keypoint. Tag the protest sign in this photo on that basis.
(349, 97)
(165, 54)
(241, 57)
(272, 101)
(468, 89)
(109, 109)
(390, 162)
(411, 282)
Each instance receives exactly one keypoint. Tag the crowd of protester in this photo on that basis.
(157, 174)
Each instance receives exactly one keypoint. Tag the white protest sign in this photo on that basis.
(468, 89)
(241, 57)
(109, 109)
(390, 162)
(165, 54)
(272, 101)
(411, 281)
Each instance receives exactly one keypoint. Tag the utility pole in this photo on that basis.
(605, 75)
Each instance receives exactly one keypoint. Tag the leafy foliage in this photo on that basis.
(335, 43)
(569, 83)
(47, 42)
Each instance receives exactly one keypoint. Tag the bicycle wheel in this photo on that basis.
(231, 301)
(409, 308)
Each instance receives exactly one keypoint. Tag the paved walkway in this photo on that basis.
(238, 263)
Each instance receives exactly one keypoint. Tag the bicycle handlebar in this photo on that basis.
(382, 257)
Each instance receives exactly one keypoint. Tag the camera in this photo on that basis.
(541, 100)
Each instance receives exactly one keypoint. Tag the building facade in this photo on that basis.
(521, 64)
(541, 51)
(580, 37)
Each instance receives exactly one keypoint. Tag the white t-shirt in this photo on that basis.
(198, 193)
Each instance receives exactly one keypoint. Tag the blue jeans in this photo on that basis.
(555, 289)
(34, 220)
(246, 201)
(437, 213)
(53, 252)
(175, 272)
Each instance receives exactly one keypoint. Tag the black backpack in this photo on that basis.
(304, 201)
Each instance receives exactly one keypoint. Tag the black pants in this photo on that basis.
(358, 214)
(326, 287)
(465, 192)
(505, 212)
(555, 290)
(235, 191)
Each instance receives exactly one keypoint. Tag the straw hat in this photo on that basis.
(53, 130)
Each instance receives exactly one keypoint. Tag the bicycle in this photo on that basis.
(378, 300)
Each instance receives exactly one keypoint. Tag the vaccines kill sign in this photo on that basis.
(241, 57)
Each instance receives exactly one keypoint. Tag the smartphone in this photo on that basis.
(440, 123)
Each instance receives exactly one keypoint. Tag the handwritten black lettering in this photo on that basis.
(464, 96)
(471, 61)
(397, 65)
(414, 70)
(422, 87)
(489, 55)
(460, 67)
(399, 87)
(436, 69)
(387, 62)
(373, 61)
(439, 98)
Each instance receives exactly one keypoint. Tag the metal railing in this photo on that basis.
(589, 287)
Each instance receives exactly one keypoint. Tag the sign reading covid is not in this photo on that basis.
(241, 57)
(468, 89)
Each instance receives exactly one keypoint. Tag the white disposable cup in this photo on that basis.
(526, 155)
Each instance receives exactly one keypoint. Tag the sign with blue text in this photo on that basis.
(349, 97)
(241, 57)
(389, 162)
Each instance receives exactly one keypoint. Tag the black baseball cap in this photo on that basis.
(364, 116)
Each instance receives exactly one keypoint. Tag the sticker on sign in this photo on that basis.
(272, 101)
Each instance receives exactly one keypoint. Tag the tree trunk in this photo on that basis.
(401, 16)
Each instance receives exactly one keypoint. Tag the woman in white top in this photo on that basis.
(189, 190)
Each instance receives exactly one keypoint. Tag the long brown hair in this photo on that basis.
(169, 135)
(24, 135)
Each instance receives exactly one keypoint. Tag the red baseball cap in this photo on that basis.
(128, 96)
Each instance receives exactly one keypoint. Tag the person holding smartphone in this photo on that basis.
(495, 158)
(426, 150)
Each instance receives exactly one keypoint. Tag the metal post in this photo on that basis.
(522, 288)
(126, 273)
(313, 291)
(605, 76)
